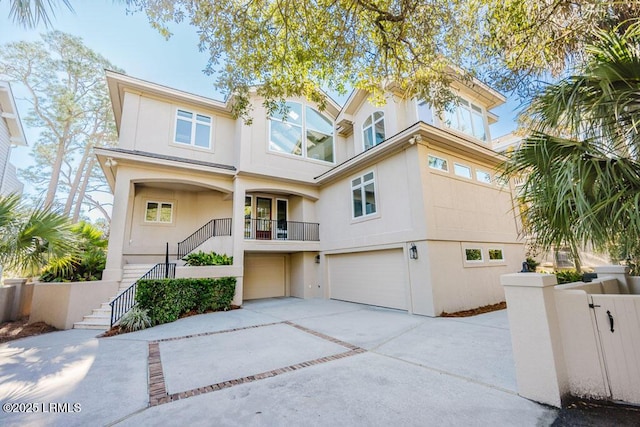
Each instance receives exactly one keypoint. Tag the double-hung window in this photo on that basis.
(363, 191)
(193, 129)
(161, 212)
(301, 131)
(468, 118)
(373, 130)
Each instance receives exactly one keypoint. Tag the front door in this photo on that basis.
(263, 216)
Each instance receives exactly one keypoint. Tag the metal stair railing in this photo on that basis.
(127, 299)
(214, 228)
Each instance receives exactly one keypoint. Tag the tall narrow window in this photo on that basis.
(193, 129)
(363, 191)
(302, 132)
(373, 130)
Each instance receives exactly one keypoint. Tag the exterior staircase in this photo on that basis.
(100, 318)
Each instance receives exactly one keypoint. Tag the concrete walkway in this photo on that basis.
(277, 362)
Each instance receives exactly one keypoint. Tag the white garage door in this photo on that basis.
(376, 278)
(264, 276)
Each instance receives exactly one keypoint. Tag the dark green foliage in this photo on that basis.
(201, 258)
(532, 264)
(86, 265)
(167, 299)
(568, 276)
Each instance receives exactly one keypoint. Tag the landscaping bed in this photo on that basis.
(475, 311)
(10, 331)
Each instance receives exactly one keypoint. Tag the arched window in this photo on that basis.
(373, 130)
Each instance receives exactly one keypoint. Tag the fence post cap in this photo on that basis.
(529, 280)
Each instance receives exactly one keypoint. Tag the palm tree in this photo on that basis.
(29, 13)
(30, 237)
(581, 161)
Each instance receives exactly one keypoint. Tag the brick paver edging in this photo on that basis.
(157, 388)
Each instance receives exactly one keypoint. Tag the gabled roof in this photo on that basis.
(119, 83)
(10, 115)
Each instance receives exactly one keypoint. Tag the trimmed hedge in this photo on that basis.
(167, 299)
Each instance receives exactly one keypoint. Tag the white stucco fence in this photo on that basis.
(579, 339)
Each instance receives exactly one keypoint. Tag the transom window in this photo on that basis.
(438, 163)
(473, 255)
(462, 170)
(496, 255)
(158, 212)
(301, 131)
(483, 176)
(193, 129)
(373, 130)
(468, 118)
(363, 190)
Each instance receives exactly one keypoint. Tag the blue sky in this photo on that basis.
(129, 42)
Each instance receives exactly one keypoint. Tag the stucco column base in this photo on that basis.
(17, 299)
(620, 272)
(535, 337)
(237, 296)
(112, 274)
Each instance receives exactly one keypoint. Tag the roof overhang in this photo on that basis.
(111, 158)
(10, 115)
(119, 84)
(420, 133)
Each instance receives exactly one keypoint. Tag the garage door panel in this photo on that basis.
(264, 277)
(376, 278)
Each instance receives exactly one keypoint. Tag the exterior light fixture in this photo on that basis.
(317, 259)
(110, 162)
(413, 251)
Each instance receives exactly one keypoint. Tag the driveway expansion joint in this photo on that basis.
(159, 395)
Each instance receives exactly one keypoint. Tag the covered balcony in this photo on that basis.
(278, 229)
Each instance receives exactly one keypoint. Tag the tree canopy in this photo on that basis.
(289, 47)
(70, 105)
(581, 161)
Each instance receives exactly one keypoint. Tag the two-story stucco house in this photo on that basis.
(392, 206)
(11, 135)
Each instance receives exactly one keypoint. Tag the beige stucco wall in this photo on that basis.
(255, 156)
(304, 275)
(399, 216)
(465, 209)
(459, 285)
(62, 304)
(148, 124)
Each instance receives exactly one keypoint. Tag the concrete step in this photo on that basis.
(91, 325)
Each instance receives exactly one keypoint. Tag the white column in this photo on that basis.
(238, 235)
(535, 337)
(122, 197)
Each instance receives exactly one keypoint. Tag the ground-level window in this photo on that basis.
(473, 255)
(438, 163)
(363, 192)
(462, 170)
(159, 212)
(496, 255)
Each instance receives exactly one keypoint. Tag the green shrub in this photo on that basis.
(167, 299)
(568, 276)
(211, 258)
(135, 319)
(86, 265)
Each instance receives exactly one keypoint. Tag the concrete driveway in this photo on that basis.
(275, 362)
